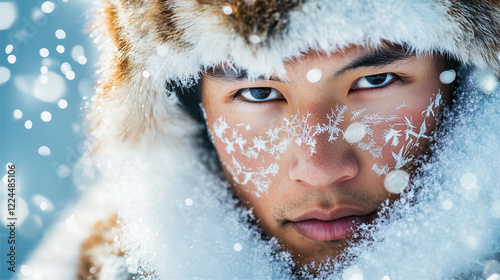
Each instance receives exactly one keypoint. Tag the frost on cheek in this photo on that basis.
(370, 132)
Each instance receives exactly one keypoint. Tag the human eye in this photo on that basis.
(374, 81)
(258, 94)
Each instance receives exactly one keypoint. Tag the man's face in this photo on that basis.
(310, 154)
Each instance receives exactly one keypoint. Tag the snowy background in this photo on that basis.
(47, 66)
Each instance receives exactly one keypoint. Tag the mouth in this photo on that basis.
(330, 226)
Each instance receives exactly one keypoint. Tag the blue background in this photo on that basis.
(44, 183)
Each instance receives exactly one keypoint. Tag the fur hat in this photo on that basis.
(150, 43)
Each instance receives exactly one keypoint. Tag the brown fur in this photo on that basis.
(101, 242)
(478, 17)
(268, 19)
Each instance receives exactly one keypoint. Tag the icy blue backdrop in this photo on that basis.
(47, 64)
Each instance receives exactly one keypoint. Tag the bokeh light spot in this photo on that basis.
(9, 49)
(495, 209)
(314, 75)
(468, 181)
(237, 247)
(447, 204)
(62, 103)
(50, 90)
(82, 60)
(4, 75)
(44, 151)
(63, 171)
(25, 270)
(227, 10)
(76, 52)
(60, 49)
(44, 52)
(18, 114)
(48, 7)
(65, 67)
(12, 59)
(60, 34)
(28, 124)
(46, 116)
(255, 39)
(145, 74)
(448, 76)
(355, 132)
(188, 201)
(44, 70)
(70, 75)
(8, 15)
(396, 181)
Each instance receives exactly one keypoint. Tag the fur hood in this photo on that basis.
(146, 143)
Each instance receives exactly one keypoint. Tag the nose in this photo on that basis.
(332, 162)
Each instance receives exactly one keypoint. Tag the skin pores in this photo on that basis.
(288, 147)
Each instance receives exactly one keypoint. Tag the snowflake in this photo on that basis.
(259, 144)
(220, 126)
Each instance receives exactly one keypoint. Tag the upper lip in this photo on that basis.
(330, 215)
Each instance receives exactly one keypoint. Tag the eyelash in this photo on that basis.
(239, 93)
(393, 78)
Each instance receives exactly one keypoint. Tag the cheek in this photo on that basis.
(403, 139)
(245, 153)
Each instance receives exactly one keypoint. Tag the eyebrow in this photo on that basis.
(379, 57)
(235, 74)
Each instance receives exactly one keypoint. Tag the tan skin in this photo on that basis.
(339, 175)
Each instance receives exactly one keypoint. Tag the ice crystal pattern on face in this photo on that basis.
(298, 130)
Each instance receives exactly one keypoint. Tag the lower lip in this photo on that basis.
(320, 230)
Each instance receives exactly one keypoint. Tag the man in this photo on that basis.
(330, 159)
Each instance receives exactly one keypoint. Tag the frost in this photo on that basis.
(300, 131)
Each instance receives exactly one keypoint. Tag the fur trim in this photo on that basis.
(150, 43)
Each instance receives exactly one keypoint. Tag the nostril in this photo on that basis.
(326, 169)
